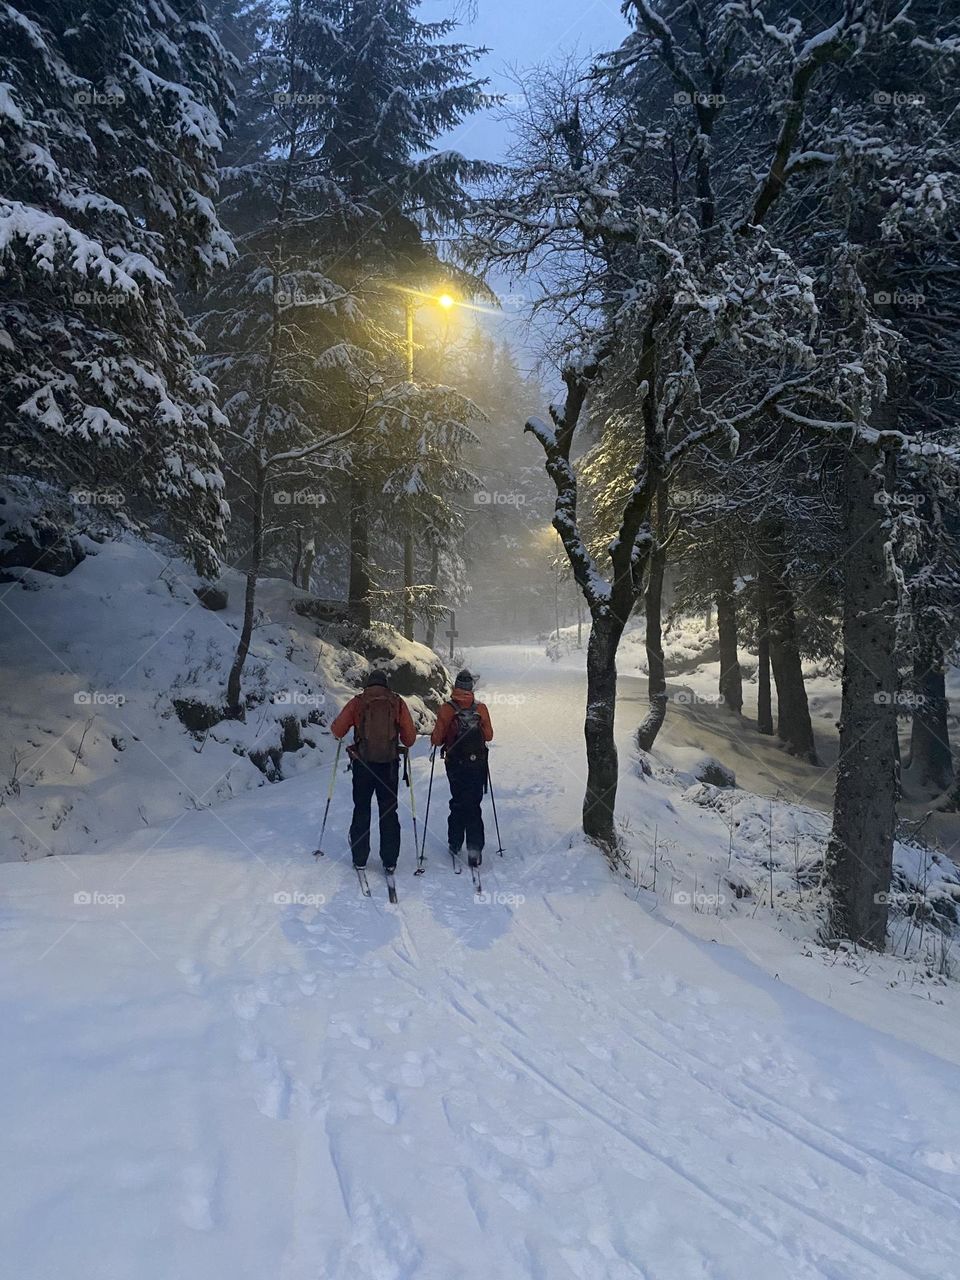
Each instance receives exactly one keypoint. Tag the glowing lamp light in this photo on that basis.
(446, 301)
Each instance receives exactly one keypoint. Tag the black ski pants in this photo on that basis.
(466, 795)
(380, 780)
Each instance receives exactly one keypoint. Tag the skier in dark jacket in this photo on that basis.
(382, 723)
(462, 731)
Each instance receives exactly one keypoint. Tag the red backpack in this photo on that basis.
(377, 724)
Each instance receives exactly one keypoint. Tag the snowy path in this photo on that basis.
(204, 1081)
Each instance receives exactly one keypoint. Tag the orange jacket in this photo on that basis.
(463, 698)
(350, 716)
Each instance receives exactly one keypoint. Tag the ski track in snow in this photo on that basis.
(208, 1083)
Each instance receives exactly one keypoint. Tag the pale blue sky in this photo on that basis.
(522, 33)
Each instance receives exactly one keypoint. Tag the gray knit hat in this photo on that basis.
(376, 677)
(464, 680)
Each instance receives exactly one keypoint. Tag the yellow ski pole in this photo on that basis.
(318, 853)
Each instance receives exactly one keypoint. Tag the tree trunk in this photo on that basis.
(359, 589)
(295, 576)
(653, 618)
(764, 709)
(434, 580)
(731, 679)
(859, 860)
(408, 576)
(793, 712)
(234, 705)
(931, 761)
(309, 555)
(656, 675)
(602, 761)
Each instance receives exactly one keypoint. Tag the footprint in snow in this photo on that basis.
(196, 1203)
(383, 1103)
(192, 973)
(411, 1071)
(941, 1161)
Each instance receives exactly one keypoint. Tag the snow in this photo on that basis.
(220, 1061)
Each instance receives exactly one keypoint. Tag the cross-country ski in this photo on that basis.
(515, 438)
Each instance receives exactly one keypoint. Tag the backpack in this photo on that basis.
(376, 739)
(464, 742)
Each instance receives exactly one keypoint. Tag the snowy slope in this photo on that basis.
(220, 1061)
(91, 665)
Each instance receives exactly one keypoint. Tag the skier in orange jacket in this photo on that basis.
(462, 731)
(382, 723)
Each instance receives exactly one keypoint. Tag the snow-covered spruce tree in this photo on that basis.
(398, 84)
(280, 326)
(415, 449)
(111, 121)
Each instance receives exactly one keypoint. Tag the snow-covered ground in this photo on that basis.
(219, 1061)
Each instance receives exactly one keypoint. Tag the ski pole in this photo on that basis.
(493, 801)
(426, 817)
(408, 778)
(318, 853)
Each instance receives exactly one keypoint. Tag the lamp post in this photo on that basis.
(412, 300)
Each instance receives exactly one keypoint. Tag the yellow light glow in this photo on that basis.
(446, 301)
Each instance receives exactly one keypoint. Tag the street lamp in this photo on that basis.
(416, 299)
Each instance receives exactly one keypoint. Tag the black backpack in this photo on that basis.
(464, 743)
